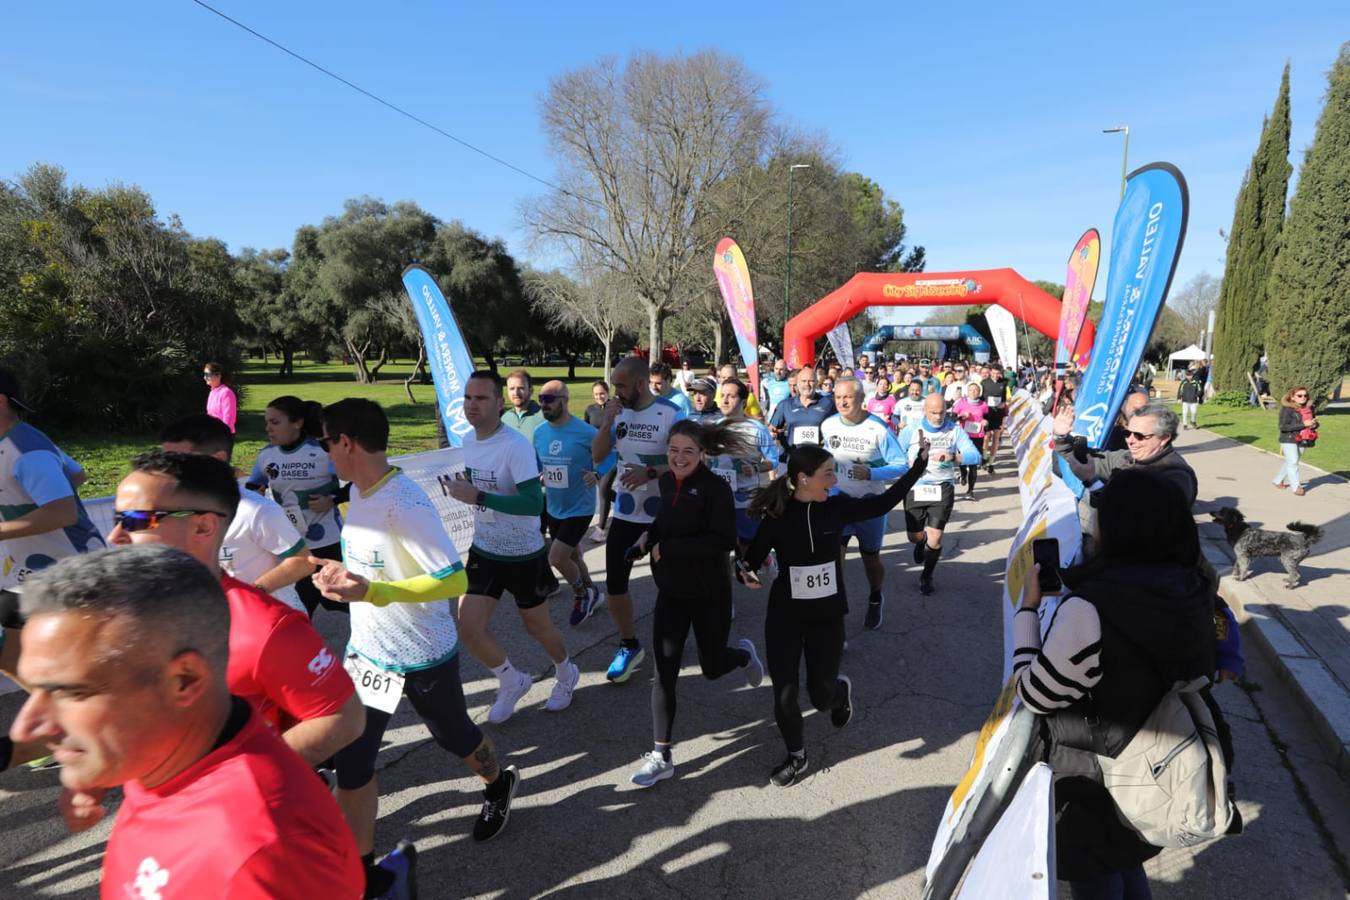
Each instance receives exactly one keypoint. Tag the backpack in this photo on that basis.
(1170, 783)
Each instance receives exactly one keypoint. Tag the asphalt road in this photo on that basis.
(860, 825)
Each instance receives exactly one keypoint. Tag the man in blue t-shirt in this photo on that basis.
(797, 419)
(662, 383)
(776, 388)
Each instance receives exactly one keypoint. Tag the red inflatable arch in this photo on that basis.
(1001, 286)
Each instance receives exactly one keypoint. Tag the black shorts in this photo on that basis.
(622, 535)
(568, 531)
(491, 577)
(993, 419)
(931, 513)
(438, 698)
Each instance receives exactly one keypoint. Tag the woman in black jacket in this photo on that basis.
(689, 540)
(803, 522)
(1297, 420)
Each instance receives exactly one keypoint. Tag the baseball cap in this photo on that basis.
(703, 384)
(9, 386)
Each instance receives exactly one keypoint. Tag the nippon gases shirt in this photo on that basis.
(948, 438)
(495, 465)
(728, 467)
(908, 411)
(869, 443)
(295, 475)
(564, 459)
(260, 536)
(640, 439)
(391, 533)
(33, 474)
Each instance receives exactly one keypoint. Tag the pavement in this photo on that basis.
(860, 825)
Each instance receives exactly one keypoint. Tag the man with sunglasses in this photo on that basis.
(563, 445)
(1149, 434)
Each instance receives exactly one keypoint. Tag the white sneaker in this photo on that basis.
(754, 669)
(564, 683)
(655, 767)
(598, 534)
(508, 695)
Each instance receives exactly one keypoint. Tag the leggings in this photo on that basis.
(309, 594)
(970, 474)
(786, 640)
(711, 621)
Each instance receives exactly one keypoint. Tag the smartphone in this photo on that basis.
(1045, 553)
(635, 552)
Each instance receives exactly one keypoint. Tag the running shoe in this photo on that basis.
(989, 469)
(508, 695)
(843, 715)
(564, 684)
(918, 553)
(585, 604)
(492, 818)
(598, 534)
(625, 661)
(754, 669)
(655, 767)
(790, 771)
(872, 620)
(926, 587)
(402, 863)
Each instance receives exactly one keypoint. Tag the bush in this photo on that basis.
(1234, 399)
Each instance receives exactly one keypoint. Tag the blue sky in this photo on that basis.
(984, 119)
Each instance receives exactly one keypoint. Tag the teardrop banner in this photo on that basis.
(733, 279)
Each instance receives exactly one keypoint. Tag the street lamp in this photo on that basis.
(787, 278)
(1125, 162)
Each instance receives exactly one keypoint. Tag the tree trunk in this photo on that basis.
(407, 382)
(571, 366)
(379, 364)
(654, 321)
(719, 343)
(490, 360)
(358, 357)
(608, 342)
(287, 362)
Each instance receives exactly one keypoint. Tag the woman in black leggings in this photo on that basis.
(803, 522)
(690, 539)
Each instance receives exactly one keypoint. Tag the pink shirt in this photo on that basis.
(222, 404)
(971, 413)
(882, 406)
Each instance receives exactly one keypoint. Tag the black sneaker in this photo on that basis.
(790, 771)
(918, 552)
(926, 587)
(873, 618)
(494, 814)
(844, 714)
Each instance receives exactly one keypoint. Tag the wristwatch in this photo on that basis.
(651, 472)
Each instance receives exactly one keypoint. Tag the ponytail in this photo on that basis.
(772, 501)
(308, 413)
(722, 439)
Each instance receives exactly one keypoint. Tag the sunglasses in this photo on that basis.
(209, 375)
(1296, 396)
(549, 398)
(132, 520)
(327, 439)
(1139, 436)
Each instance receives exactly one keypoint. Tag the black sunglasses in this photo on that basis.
(549, 398)
(1138, 436)
(149, 519)
(325, 440)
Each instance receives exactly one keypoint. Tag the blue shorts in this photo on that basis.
(745, 526)
(869, 532)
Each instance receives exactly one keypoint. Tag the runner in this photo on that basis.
(524, 415)
(995, 392)
(278, 662)
(604, 491)
(637, 425)
(662, 385)
(929, 505)
(728, 373)
(563, 445)
(866, 455)
(970, 413)
(261, 546)
(689, 541)
(298, 474)
(803, 522)
(501, 483)
(797, 420)
(909, 408)
(956, 388)
(776, 388)
(398, 564)
(743, 470)
(703, 398)
(929, 382)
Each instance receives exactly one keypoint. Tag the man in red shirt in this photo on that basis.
(278, 662)
(125, 654)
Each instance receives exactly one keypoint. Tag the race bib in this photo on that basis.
(377, 688)
(483, 514)
(806, 434)
(727, 475)
(927, 493)
(973, 427)
(298, 520)
(846, 472)
(555, 476)
(812, 582)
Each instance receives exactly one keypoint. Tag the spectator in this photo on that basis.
(1148, 436)
(1190, 393)
(1135, 400)
(1134, 620)
(221, 402)
(1298, 423)
(882, 402)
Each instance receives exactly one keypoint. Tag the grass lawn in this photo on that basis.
(412, 426)
(1261, 429)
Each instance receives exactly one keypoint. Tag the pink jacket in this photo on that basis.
(223, 405)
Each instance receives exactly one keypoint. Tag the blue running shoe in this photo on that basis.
(402, 862)
(625, 661)
(585, 605)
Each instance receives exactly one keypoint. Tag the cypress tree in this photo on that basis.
(1308, 329)
(1253, 243)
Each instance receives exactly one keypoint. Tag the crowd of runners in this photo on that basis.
(175, 657)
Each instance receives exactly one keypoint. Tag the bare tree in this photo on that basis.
(1194, 302)
(638, 150)
(600, 303)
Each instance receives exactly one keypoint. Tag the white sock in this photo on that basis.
(505, 670)
(559, 668)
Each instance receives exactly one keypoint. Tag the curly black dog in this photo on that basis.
(1248, 543)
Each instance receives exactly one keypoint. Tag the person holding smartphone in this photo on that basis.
(803, 521)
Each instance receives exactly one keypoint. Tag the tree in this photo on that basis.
(482, 284)
(639, 149)
(599, 303)
(1308, 331)
(1194, 302)
(272, 315)
(1253, 246)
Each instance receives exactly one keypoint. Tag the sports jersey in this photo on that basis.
(391, 533)
(680, 399)
(801, 424)
(295, 475)
(495, 465)
(259, 537)
(33, 473)
(948, 438)
(869, 443)
(994, 392)
(971, 415)
(728, 467)
(775, 392)
(248, 820)
(640, 438)
(565, 458)
(709, 416)
(908, 411)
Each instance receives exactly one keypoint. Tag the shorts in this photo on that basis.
(622, 535)
(870, 533)
(929, 514)
(438, 698)
(745, 526)
(567, 531)
(993, 419)
(491, 577)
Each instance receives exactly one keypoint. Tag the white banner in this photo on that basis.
(1004, 331)
(1017, 859)
(842, 343)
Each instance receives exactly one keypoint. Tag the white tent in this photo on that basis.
(1179, 359)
